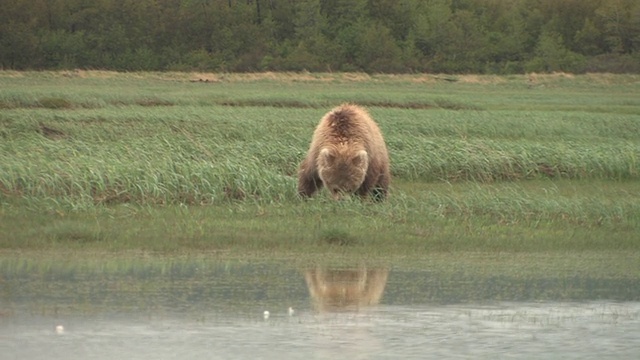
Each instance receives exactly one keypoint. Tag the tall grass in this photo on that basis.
(536, 216)
(474, 152)
(203, 155)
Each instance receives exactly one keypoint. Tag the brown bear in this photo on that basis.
(345, 289)
(347, 155)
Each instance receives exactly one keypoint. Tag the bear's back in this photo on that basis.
(351, 123)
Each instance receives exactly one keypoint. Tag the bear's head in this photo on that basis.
(342, 169)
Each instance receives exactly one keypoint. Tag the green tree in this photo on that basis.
(621, 25)
(18, 44)
(551, 55)
(368, 35)
(506, 35)
(342, 14)
(395, 15)
(60, 49)
(377, 50)
(430, 30)
(18, 40)
(308, 21)
(467, 49)
(589, 39)
(303, 47)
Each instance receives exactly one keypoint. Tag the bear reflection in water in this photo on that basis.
(345, 289)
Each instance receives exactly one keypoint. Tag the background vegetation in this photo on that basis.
(375, 36)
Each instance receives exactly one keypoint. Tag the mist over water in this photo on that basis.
(217, 311)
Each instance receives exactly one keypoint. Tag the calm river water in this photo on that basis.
(243, 310)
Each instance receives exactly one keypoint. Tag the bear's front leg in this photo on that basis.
(376, 187)
(308, 180)
(308, 187)
(381, 190)
(377, 193)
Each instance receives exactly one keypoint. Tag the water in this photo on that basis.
(217, 311)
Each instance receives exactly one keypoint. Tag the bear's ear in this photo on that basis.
(326, 154)
(361, 158)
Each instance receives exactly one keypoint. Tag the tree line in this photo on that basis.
(386, 36)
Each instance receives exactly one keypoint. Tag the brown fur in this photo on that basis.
(347, 155)
(345, 289)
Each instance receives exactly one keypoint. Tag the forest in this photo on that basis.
(373, 36)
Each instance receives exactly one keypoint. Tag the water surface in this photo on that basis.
(216, 310)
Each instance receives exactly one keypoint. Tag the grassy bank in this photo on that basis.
(174, 162)
(533, 216)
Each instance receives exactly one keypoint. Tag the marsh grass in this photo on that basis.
(55, 103)
(199, 155)
(536, 216)
(338, 237)
(478, 163)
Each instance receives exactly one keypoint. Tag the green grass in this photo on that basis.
(160, 162)
(535, 216)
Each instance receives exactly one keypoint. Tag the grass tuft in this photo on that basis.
(73, 232)
(55, 103)
(338, 237)
(151, 102)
